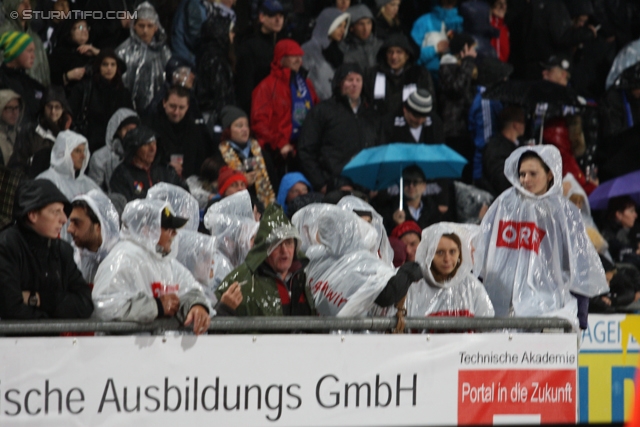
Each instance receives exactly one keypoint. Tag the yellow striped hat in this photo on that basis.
(13, 43)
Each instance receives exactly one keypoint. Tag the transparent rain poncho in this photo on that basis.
(198, 253)
(533, 250)
(102, 207)
(469, 202)
(353, 203)
(183, 203)
(461, 296)
(62, 173)
(345, 277)
(231, 221)
(135, 273)
(145, 63)
(627, 57)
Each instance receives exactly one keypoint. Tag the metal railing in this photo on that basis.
(289, 324)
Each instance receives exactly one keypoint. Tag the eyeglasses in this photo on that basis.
(12, 109)
(414, 182)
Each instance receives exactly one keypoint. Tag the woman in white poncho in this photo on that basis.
(533, 250)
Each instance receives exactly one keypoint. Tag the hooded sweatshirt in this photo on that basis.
(104, 161)
(288, 181)
(320, 70)
(361, 52)
(102, 207)
(461, 296)
(145, 63)
(134, 275)
(272, 106)
(533, 250)
(264, 292)
(62, 172)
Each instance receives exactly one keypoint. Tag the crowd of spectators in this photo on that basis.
(217, 131)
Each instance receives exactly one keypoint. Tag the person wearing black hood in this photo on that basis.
(337, 129)
(39, 277)
(396, 76)
(140, 170)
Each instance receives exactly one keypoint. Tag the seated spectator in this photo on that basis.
(10, 181)
(387, 18)
(104, 161)
(293, 184)
(145, 54)
(275, 271)
(97, 97)
(361, 46)
(183, 140)
(322, 54)
(69, 160)
(16, 21)
(94, 225)
(73, 54)
(182, 203)
(138, 282)
(415, 121)
(39, 277)
(624, 289)
(10, 114)
(139, 170)
(621, 218)
(277, 110)
(32, 154)
(499, 148)
(395, 76)
(230, 181)
(255, 53)
(19, 56)
(448, 288)
(204, 186)
(337, 129)
(427, 33)
(425, 202)
(243, 154)
(410, 234)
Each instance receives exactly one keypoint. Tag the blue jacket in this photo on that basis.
(288, 181)
(187, 22)
(433, 22)
(483, 122)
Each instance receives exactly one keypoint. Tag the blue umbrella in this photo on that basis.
(625, 185)
(380, 167)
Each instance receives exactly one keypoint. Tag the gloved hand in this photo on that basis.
(398, 285)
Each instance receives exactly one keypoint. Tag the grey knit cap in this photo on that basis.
(420, 102)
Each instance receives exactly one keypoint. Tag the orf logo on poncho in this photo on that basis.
(520, 235)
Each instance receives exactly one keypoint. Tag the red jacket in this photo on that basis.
(271, 100)
(501, 43)
(556, 133)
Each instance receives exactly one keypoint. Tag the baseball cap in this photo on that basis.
(169, 220)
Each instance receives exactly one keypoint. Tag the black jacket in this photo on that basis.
(496, 151)
(456, 96)
(254, 64)
(332, 134)
(30, 90)
(396, 129)
(133, 182)
(30, 262)
(430, 213)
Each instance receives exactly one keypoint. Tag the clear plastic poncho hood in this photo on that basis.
(111, 140)
(141, 221)
(533, 250)
(344, 276)
(461, 296)
(183, 203)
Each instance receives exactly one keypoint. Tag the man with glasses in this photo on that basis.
(10, 108)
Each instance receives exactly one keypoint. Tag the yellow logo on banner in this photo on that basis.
(629, 326)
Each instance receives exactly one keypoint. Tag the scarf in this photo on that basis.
(301, 103)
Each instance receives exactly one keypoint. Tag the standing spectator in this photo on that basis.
(185, 36)
(255, 54)
(476, 16)
(139, 171)
(281, 103)
(361, 45)
(39, 277)
(183, 142)
(145, 54)
(337, 129)
(94, 225)
(443, 17)
(502, 43)
(109, 33)
(104, 161)
(19, 57)
(322, 54)
(10, 115)
(69, 160)
(177, 72)
(10, 181)
(215, 88)
(49, 32)
(387, 19)
(16, 21)
(395, 76)
(243, 154)
(415, 121)
(98, 96)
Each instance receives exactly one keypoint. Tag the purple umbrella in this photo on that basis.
(625, 185)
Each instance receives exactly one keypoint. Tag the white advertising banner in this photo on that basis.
(288, 380)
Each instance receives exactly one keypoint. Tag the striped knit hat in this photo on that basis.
(13, 43)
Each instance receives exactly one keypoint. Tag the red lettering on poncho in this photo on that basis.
(520, 235)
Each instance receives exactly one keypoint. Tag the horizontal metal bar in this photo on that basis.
(290, 324)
